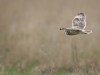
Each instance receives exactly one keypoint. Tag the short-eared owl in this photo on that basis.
(78, 26)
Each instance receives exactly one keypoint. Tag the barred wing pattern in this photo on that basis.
(79, 21)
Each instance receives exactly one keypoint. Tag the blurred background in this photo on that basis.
(30, 32)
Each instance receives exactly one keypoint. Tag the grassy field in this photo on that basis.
(31, 42)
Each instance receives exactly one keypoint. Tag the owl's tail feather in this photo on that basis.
(87, 32)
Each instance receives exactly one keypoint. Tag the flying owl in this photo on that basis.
(78, 26)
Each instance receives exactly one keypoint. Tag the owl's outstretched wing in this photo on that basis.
(79, 21)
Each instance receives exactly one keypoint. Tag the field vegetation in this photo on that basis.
(31, 42)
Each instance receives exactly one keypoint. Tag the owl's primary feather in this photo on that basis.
(79, 21)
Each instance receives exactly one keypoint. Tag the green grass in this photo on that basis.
(32, 69)
(27, 70)
(61, 72)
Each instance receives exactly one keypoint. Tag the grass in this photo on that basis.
(13, 70)
(34, 70)
(32, 44)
